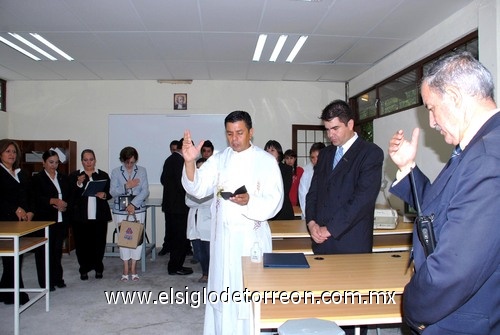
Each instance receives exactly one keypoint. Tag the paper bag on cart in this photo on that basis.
(130, 233)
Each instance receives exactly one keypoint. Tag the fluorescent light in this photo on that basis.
(18, 48)
(278, 47)
(260, 46)
(296, 48)
(31, 45)
(52, 46)
(175, 81)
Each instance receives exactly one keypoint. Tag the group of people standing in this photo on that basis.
(187, 218)
(52, 196)
(458, 281)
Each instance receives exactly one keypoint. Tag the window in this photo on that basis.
(3, 93)
(303, 136)
(401, 91)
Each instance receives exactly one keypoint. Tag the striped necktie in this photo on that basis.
(456, 152)
(338, 155)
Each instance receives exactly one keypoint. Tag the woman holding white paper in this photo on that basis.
(131, 180)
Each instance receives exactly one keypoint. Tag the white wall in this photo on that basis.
(432, 154)
(433, 151)
(78, 110)
(456, 26)
(4, 122)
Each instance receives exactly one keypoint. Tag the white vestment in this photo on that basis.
(304, 184)
(199, 217)
(235, 228)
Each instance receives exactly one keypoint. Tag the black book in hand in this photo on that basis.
(227, 195)
(93, 187)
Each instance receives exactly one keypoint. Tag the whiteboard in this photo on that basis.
(151, 135)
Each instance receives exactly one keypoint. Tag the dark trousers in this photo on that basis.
(178, 247)
(57, 234)
(167, 240)
(7, 280)
(201, 250)
(350, 330)
(90, 244)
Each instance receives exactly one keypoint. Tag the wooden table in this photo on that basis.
(14, 243)
(292, 236)
(360, 273)
(297, 211)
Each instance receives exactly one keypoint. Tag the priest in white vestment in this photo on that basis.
(237, 222)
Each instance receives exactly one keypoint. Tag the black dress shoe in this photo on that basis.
(23, 298)
(61, 284)
(52, 288)
(163, 252)
(84, 276)
(98, 275)
(182, 272)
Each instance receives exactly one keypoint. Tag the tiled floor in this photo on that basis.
(81, 308)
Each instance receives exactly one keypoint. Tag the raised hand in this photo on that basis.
(402, 151)
(189, 151)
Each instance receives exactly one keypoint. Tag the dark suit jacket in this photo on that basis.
(80, 203)
(343, 199)
(456, 290)
(44, 190)
(14, 195)
(286, 211)
(173, 193)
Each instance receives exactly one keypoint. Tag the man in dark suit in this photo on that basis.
(340, 203)
(176, 211)
(168, 231)
(456, 288)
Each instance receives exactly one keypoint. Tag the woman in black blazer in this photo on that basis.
(15, 205)
(286, 211)
(91, 215)
(51, 190)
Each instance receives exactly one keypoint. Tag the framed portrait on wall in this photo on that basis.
(180, 101)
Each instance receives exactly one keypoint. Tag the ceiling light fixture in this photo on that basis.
(278, 47)
(52, 46)
(296, 48)
(31, 45)
(260, 46)
(175, 81)
(18, 48)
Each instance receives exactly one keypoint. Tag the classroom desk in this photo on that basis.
(14, 243)
(363, 273)
(149, 246)
(292, 236)
(297, 211)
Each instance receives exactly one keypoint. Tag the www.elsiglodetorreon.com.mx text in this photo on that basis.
(196, 299)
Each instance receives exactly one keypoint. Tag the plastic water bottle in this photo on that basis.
(256, 253)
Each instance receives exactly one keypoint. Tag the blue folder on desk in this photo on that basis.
(285, 260)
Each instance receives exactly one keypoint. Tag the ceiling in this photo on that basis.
(212, 39)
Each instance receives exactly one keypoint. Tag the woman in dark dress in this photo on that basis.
(91, 215)
(286, 211)
(51, 190)
(16, 205)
